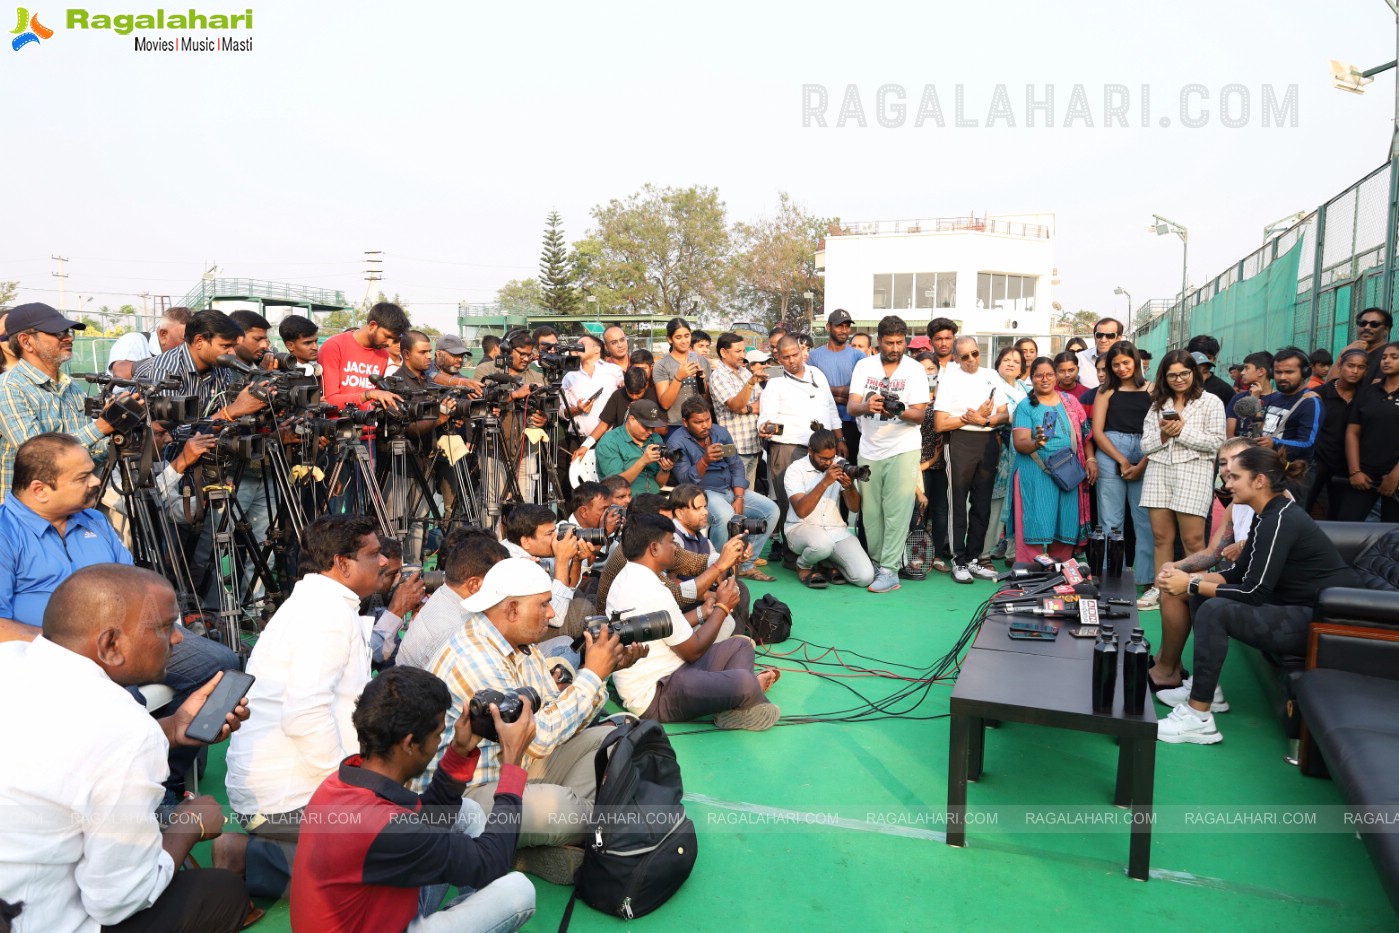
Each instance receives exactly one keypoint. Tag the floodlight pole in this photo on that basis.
(1184, 235)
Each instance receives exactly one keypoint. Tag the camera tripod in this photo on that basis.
(353, 482)
(412, 504)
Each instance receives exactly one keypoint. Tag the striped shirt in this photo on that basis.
(478, 657)
(32, 402)
(209, 386)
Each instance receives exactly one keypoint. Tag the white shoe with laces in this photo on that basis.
(1151, 599)
(1184, 726)
(1174, 696)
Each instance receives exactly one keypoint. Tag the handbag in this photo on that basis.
(1062, 465)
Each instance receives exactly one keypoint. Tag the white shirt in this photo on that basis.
(1088, 367)
(311, 663)
(802, 477)
(638, 590)
(578, 387)
(880, 440)
(795, 402)
(960, 391)
(79, 788)
(136, 346)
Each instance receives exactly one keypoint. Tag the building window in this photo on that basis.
(947, 289)
(903, 290)
(924, 289)
(883, 291)
(997, 291)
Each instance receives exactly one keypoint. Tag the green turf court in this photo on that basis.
(837, 826)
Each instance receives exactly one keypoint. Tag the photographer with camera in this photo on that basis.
(889, 394)
(531, 532)
(736, 386)
(397, 597)
(195, 364)
(816, 485)
(254, 347)
(709, 459)
(793, 400)
(445, 369)
(494, 651)
(399, 859)
(467, 555)
(348, 360)
(519, 412)
(686, 674)
(635, 452)
(586, 390)
(36, 395)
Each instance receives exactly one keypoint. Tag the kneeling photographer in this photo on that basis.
(687, 672)
(816, 485)
(493, 652)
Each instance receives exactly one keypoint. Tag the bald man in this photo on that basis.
(88, 852)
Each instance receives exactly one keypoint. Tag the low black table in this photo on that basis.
(1046, 683)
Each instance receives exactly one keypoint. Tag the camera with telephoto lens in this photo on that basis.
(673, 454)
(511, 705)
(861, 473)
(594, 536)
(648, 626)
(743, 525)
(893, 405)
(432, 579)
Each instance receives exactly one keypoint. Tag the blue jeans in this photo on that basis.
(754, 506)
(1116, 495)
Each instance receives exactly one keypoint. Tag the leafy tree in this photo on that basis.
(1077, 322)
(661, 250)
(8, 292)
(525, 295)
(776, 264)
(556, 271)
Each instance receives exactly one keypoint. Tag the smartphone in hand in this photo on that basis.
(213, 715)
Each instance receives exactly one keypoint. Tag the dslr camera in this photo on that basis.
(743, 525)
(672, 453)
(861, 473)
(594, 536)
(648, 626)
(893, 405)
(511, 705)
(432, 579)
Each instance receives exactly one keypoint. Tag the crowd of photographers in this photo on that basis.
(286, 500)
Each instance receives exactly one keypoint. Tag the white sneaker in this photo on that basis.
(1183, 725)
(1151, 599)
(885, 581)
(1174, 696)
(961, 573)
(982, 571)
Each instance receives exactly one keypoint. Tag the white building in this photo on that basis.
(993, 275)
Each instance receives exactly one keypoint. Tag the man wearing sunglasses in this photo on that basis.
(1371, 334)
(969, 404)
(1105, 333)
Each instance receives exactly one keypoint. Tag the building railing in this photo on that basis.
(966, 224)
(210, 289)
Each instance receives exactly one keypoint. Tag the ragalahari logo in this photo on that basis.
(28, 29)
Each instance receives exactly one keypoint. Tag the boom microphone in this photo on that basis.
(1249, 407)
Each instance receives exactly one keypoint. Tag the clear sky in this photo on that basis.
(443, 133)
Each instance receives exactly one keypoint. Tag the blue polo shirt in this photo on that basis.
(722, 476)
(35, 558)
(836, 367)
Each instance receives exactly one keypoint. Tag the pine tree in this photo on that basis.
(556, 270)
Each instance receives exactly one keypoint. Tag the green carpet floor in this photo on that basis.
(838, 826)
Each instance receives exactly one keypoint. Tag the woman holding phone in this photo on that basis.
(1181, 434)
(681, 373)
(1042, 517)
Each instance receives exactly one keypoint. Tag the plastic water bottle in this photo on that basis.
(1104, 671)
(1117, 554)
(1096, 551)
(1135, 664)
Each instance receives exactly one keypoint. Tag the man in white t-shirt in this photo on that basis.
(587, 389)
(970, 404)
(689, 673)
(889, 446)
(815, 529)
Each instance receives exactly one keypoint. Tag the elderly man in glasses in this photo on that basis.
(1105, 333)
(971, 402)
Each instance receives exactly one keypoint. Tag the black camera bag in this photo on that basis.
(770, 621)
(641, 846)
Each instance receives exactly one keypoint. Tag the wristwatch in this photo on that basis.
(1193, 587)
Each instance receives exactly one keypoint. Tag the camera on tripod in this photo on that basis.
(511, 705)
(743, 525)
(233, 440)
(648, 626)
(861, 473)
(562, 359)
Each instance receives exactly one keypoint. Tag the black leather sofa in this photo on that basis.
(1348, 698)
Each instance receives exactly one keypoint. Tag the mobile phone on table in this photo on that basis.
(213, 715)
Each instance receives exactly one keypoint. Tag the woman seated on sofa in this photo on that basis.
(1266, 600)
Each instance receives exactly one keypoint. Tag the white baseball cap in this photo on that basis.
(514, 576)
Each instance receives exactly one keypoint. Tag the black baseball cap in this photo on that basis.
(647, 412)
(39, 316)
(839, 316)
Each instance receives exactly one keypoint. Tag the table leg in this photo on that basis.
(1122, 794)
(1143, 792)
(958, 753)
(977, 751)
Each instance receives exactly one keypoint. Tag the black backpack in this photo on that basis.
(641, 846)
(770, 621)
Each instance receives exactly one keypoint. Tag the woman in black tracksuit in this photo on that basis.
(1266, 600)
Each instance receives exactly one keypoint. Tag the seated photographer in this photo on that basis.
(618, 489)
(634, 451)
(82, 847)
(48, 530)
(1266, 600)
(494, 651)
(465, 558)
(392, 602)
(36, 395)
(311, 662)
(709, 459)
(531, 533)
(397, 856)
(688, 672)
(815, 530)
(592, 510)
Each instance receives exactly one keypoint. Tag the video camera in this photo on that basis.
(239, 439)
(563, 358)
(285, 390)
(648, 626)
(893, 405)
(861, 473)
(177, 408)
(417, 404)
(511, 706)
